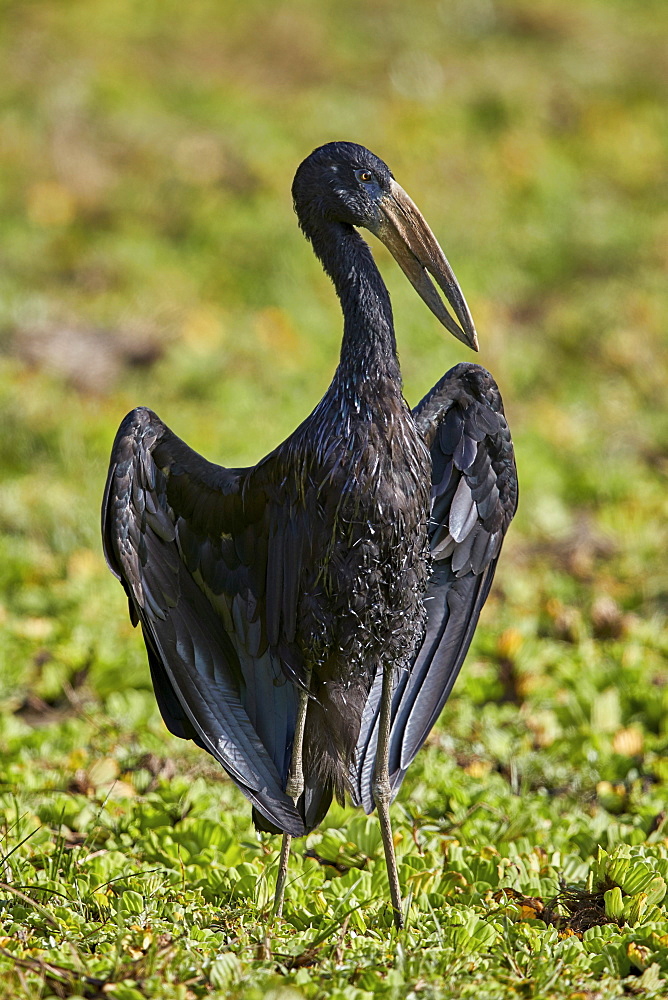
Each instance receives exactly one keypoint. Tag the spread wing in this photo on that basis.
(473, 500)
(210, 560)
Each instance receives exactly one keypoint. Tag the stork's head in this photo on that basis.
(345, 183)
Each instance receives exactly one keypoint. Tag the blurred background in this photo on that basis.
(150, 255)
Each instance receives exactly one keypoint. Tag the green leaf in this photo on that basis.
(614, 903)
(225, 971)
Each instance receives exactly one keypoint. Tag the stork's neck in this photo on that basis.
(369, 348)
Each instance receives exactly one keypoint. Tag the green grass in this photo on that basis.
(150, 255)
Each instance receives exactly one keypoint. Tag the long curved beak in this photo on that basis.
(405, 233)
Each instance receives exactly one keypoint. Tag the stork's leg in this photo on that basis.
(382, 793)
(294, 788)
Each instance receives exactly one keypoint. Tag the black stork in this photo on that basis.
(305, 619)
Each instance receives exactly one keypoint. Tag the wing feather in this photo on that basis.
(184, 538)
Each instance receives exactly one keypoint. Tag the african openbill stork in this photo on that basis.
(305, 619)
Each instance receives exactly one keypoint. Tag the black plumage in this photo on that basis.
(473, 500)
(366, 542)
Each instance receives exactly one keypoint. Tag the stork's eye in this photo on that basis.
(364, 176)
